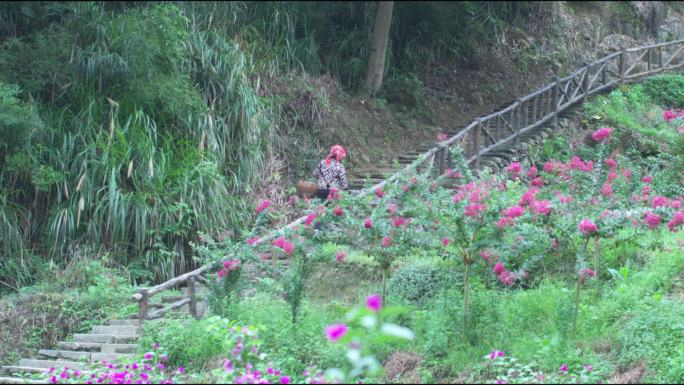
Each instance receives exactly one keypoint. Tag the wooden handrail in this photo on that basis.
(562, 96)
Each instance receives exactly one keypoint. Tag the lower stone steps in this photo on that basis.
(97, 347)
(104, 338)
(47, 364)
(19, 380)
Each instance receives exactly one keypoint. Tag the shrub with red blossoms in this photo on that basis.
(652, 220)
(676, 221)
(659, 201)
(285, 245)
(473, 210)
(602, 134)
(514, 169)
(542, 207)
(669, 115)
(514, 212)
(263, 206)
(340, 256)
(607, 190)
(587, 227)
(586, 273)
(309, 219)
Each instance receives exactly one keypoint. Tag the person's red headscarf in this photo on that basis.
(336, 152)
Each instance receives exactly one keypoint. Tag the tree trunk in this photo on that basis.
(376, 64)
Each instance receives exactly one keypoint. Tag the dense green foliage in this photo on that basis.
(67, 300)
(133, 125)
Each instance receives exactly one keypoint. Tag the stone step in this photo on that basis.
(116, 330)
(104, 338)
(64, 354)
(47, 364)
(10, 369)
(123, 322)
(111, 357)
(19, 380)
(80, 346)
(97, 347)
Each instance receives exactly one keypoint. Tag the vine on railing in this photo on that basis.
(482, 136)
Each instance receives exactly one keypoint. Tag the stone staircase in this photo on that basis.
(117, 340)
(363, 178)
(112, 342)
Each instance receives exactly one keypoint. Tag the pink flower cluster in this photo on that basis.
(473, 210)
(586, 273)
(670, 115)
(587, 227)
(263, 206)
(228, 266)
(287, 247)
(576, 163)
(340, 256)
(652, 220)
(602, 134)
(676, 221)
(399, 221)
(514, 169)
(309, 219)
(506, 277)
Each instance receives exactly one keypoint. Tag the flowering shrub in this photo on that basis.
(150, 369)
(498, 368)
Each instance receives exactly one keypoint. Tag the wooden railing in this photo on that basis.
(483, 136)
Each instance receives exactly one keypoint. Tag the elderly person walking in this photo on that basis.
(331, 174)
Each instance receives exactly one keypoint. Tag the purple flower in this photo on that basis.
(374, 302)
(284, 380)
(148, 356)
(335, 332)
(563, 368)
(155, 346)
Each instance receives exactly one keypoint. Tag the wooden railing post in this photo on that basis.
(534, 108)
(192, 306)
(585, 83)
(518, 123)
(442, 161)
(648, 59)
(142, 307)
(604, 75)
(554, 100)
(660, 58)
(621, 63)
(476, 143)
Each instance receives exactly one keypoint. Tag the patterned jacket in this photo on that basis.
(331, 175)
